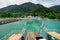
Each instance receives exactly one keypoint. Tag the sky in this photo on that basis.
(46, 3)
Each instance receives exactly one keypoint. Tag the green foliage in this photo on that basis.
(55, 8)
(27, 9)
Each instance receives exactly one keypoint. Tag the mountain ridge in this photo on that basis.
(55, 8)
(27, 9)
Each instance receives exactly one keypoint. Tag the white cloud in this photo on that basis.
(48, 3)
(4, 3)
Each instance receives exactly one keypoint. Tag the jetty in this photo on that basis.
(9, 20)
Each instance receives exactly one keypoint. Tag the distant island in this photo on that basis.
(30, 9)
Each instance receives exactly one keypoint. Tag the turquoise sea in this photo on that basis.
(7, 30)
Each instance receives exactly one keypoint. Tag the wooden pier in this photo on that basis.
(15, 37)
(54, 34)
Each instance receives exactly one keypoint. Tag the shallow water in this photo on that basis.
(52, 25)
(31, 25)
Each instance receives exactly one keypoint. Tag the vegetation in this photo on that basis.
(27, 9)
(55, 8)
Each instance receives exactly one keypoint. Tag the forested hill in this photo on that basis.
(27, 9)
(56, 8)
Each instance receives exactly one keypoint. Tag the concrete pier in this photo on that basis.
(5, 21)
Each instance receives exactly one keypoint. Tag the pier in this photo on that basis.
(8, 20)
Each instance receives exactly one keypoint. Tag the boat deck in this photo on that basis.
(15, 37)
(31, 36)
(54, 34)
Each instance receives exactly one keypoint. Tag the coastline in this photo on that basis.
(4, 19)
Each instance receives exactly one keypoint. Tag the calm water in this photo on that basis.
(52, 25)
(31, 25)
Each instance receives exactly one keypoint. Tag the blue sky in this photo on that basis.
(46, 3)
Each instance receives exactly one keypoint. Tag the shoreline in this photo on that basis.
(3, 19)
